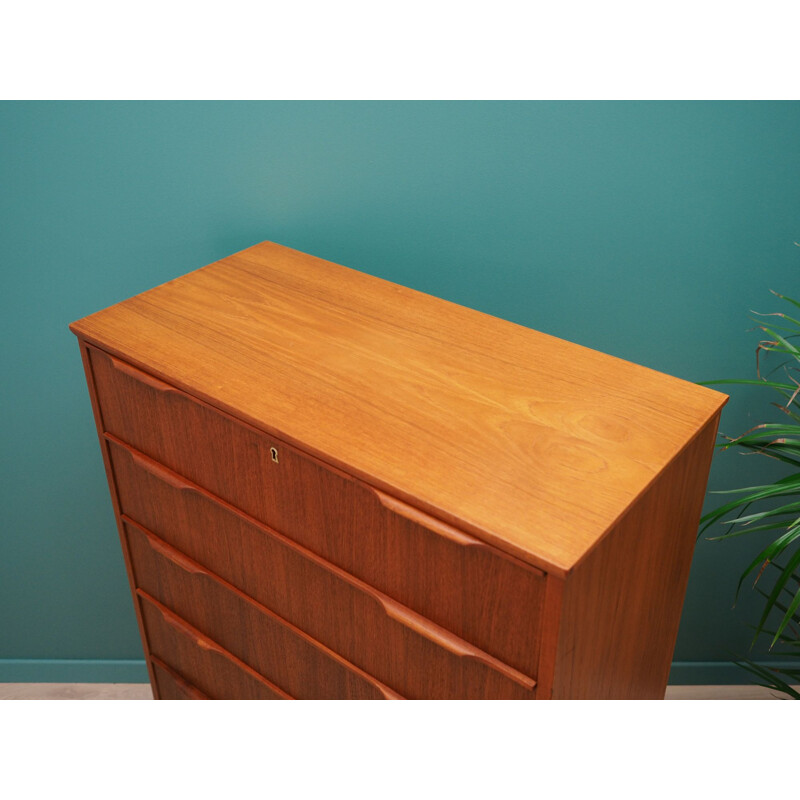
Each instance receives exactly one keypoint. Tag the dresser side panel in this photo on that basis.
(112, 486)
(622, 604)
(550, 629)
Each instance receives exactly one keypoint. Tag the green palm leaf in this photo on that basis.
(757, 510)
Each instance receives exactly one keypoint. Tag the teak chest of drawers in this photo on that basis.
(331, 486)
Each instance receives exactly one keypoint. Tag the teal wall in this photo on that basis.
(647, 230)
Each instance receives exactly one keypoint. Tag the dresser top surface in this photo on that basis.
(529, 442)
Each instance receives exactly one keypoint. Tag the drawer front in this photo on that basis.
(367, 628)
(202, 662)
(450, 578)
(171, 685)
(281, 653)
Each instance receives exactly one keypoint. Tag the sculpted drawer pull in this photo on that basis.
(191, 691)
(442, 528)
(161, 472)
(179, 625)
(448, 641)
(141, 376)
(171, 554)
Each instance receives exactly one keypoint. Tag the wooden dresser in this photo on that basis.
(331, 486)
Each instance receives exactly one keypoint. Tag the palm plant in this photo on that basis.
(772, 507)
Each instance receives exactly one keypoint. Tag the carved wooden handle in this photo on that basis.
(191, 691)
(442, 528)
(161, 472)
(176, 557)
(179, 625)
(449, 641)
(141, 376)
(421, 518)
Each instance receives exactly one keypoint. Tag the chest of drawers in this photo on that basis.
(331, 486)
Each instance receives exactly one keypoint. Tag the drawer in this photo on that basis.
(200, 661)
(277, 650)
(366, 627)
(171, 685)
(450, 578)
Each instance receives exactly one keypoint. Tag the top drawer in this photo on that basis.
(457, 581)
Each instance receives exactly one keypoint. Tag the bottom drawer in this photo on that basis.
(171, 686)
(203, 663)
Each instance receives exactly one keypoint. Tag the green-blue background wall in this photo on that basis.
(647, 230)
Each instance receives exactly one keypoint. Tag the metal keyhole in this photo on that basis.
(274, 453)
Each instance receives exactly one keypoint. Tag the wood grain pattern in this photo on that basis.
(322, 599)
(420, 662)
(283, 654)
(487, 425)
(216, 673)
(551, 628)
(622, 605)
(171, 685)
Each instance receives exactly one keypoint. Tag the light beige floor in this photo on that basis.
(141, 691)
(75, 691)
(722, 693)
